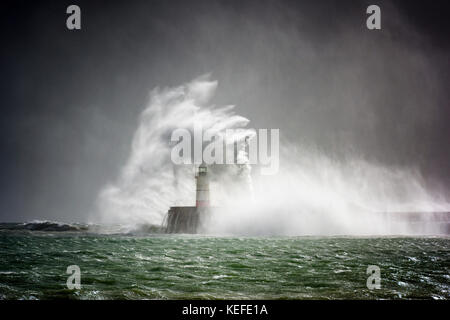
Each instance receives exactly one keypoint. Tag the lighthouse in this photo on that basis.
(202, 190)
(189, 219)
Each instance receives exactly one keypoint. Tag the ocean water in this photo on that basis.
(160, 266)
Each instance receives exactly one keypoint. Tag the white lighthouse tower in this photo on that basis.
(202, 197)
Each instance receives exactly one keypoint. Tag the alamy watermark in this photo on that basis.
(73, 22)
(373, 22)
(374, 279)
(74, 280)
(234, 146)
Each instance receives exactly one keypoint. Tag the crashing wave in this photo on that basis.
(38, 225)
(54, 226)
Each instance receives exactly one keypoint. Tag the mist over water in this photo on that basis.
(312, 193)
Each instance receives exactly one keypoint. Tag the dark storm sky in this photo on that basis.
(70, 100)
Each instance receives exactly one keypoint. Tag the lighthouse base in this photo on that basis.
(185, 219)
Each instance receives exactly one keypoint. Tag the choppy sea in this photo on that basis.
(152, 265)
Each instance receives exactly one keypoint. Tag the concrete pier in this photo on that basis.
(185, 219)
(182, 220)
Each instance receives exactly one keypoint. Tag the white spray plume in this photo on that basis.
(311, 194)
(149, 183)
